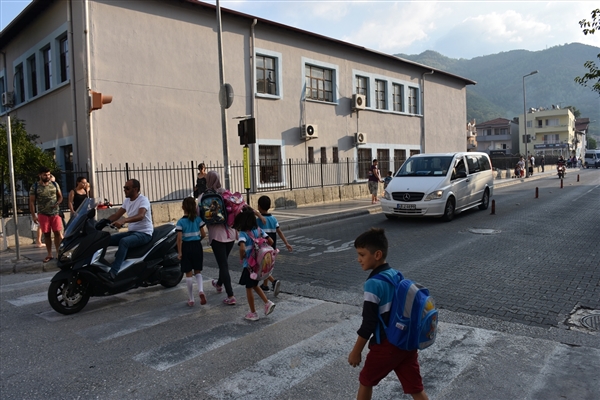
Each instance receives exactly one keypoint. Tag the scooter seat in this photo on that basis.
(159, 232)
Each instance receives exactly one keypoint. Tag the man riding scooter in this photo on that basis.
(561, 167)
(139, 218)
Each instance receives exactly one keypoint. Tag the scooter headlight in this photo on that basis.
(68, 255)
(435, 195)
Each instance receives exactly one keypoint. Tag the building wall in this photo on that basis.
(565, 129)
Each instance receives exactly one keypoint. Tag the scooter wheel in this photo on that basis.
(67, 301)
(172, 282)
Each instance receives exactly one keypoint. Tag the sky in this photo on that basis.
(456, 29)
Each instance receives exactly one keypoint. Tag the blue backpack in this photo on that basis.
(413, 316)
(212, 208)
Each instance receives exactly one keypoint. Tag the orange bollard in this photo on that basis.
(493, 207)
(577, 177)
(536, 192)
(561, 183)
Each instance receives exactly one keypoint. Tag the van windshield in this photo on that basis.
(426, 166)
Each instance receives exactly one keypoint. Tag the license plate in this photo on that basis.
(406, 206)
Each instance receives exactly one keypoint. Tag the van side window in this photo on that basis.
(473, 162)
(460, 167)
(484, 163)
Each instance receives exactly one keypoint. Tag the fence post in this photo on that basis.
(290, 168)
(127, 170)
(348, 168)
(322, 179)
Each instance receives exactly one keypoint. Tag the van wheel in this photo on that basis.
(485, 202)
(449, 210)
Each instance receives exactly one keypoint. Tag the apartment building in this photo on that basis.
(495, 136)
(551, 132)
(312, 97)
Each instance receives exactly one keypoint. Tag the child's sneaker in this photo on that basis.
(276, 287)
(269, 307)
(251, 316)
(265, 288)
(230, 301)
(218, 287)
(190, 303)
(202, 298)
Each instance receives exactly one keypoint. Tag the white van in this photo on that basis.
(592, 159)
(439, 185)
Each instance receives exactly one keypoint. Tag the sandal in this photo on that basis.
(190, 303)
(48, 258)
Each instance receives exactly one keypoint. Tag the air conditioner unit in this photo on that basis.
(360, 138)
(309, 131)
(359, 101)
(7, 99)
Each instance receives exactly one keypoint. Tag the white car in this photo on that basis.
(439, 185)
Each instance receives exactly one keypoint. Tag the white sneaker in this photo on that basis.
(269, 307)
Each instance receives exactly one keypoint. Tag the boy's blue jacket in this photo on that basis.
(378, 300)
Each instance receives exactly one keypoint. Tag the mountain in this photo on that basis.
(499, 89)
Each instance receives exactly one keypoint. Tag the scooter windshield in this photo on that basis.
(75, 224)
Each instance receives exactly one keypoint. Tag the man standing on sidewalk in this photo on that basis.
(374, 180)
(46, 195)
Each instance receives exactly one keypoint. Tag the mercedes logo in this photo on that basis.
(406, 197)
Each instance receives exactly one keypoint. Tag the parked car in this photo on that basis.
(439, 185)
(592, 159)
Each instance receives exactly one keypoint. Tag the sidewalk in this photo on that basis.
(32, 256)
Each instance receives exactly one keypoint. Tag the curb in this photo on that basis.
(308, 221)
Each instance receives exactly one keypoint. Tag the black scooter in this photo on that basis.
(83, 268)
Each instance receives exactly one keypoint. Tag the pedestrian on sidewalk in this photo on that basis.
(383, 357)
(543, 162)
(374, 181)
(190, 232)
(78, 195)
(271, 227)
(245, 223)
(45, 194)
(221, 238)
(200, 180)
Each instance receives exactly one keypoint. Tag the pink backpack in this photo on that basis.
(262, 257)
(234, 203)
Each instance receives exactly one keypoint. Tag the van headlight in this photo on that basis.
(435, 195)
(386, 195)
(68, 255)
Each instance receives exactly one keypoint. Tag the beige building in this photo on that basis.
(159, 61)
(551, 132)
(496, 136)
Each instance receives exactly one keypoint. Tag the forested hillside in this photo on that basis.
(499, 89)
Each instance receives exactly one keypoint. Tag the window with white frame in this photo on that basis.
(398, 97)
(551, 139)
(266, 75)
(47, 63)
(32, 73)
(380, 94)
(552, 122)
(335, 155)
(2, 90)
(362, 87)
(319, 83)
(20, 84)
(323, 155)
(413, 100)
(63, 45)
(269, 160)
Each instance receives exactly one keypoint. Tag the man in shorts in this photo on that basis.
(46, 195)
(374, 181)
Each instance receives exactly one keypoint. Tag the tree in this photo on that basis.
(27, 156)
(589, 27)
(591, 143)
(576, 112)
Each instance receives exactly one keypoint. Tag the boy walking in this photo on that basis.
(271, 228)
(383, 357)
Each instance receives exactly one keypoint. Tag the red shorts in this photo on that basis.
(384, 358)
(50, 223)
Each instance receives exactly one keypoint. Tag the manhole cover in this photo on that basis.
(591, 321)
(484, 231)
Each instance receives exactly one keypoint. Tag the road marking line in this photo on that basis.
(195, 345)
(287, 368)
(29, 299)
(21, 285)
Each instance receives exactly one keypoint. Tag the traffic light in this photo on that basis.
(247, 131)
(97, 100)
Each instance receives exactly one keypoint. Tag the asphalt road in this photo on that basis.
(505, 298)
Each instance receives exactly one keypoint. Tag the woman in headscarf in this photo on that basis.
(221, 239)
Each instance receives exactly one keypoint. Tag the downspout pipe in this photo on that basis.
(423, 109)
(88, 81)
(253, 103)
(73, 80)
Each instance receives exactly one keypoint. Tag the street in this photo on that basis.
(506, 286)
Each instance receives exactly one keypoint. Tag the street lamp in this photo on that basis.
(525, 123)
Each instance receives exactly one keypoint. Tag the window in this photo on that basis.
(551, 139)
(269, 160)
(20, 88)
(413, 98)
(266, 75)
(323, 155)
(2, 90)
(311, 155)
(399, 158)
(503, 131)
(398, 96)
(539, 121)
(32, 76)
(319, 83)
(47, 59)
(552, 122)
(364, 163)
(362, 85)
(488, 132)
(336, 158)
(529, 124)
(383, 156)
(413, 152)
(380, 95)
(64, 59)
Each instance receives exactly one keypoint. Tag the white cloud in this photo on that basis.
(508, 26)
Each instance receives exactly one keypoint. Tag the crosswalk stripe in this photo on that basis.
(27, 284)
(193, 346)
(277, 373)
(29, 299)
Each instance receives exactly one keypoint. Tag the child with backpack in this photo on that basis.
(190, 232)
(383, 357)
(249, 234)
(271, 227)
